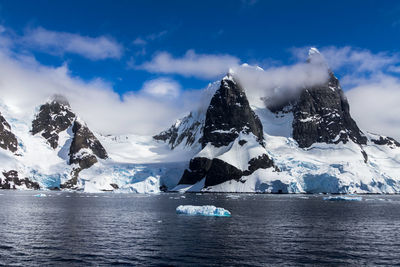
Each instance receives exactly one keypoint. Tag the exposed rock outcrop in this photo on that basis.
(53, 117)
(8, 140)
(12, 181)
(322, 115)
(388, 141)
(229, 114)
(83, 152)
(184, 131)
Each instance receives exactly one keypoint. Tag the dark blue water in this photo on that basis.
(126, 229)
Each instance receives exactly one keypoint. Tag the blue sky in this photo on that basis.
(145, 62)
(261, 32)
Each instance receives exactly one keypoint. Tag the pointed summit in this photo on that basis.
(315, 57)
(229, 114)
(54, 117)
(313, 51)
(322, 112)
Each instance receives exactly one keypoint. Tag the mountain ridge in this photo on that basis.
(307, 143)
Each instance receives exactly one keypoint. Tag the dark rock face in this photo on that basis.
(229, 114)
(187, 130)
(83, 151)
(12, 180)
(321, 115)
(84, 138)
(8, 141)
(392, 143)
(217, 171)
(261, 162)
(53, 118)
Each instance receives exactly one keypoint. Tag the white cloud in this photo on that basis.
(191, 64)
(394, 69)
(279, 82)
(94, 48)
(374, 104)
(157, 35)
(139, 41)
(162, 87)
(25, 84)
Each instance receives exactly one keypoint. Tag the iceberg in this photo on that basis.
(40, 195)
(207, 210)
(343, 198)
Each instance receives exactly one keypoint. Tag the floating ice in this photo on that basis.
(343, 198)
(40, 195)
(207, 210)
(233, 196)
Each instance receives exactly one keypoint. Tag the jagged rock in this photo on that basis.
(229, 114)
(84, 139)
(115, 186)
(12, 180)
(53, 117)
(392, 143)
(186, 129)
(83, 152)
(242, 142)
(322, 115)
(261, 162)
(8, 141)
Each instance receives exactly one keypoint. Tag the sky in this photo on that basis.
(142, 64)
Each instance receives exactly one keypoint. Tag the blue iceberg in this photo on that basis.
(40, 195)
(343, 198)
(207, 210)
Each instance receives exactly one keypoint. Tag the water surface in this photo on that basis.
(128, 229)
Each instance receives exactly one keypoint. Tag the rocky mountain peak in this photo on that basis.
(313, 51)
(53, 117)
(322, 115)
(228, 114)
(231, 128)
(8, 140)
(321, 112)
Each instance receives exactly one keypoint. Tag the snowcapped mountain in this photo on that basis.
(288, 141)
(52, 149)
(232, 141)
